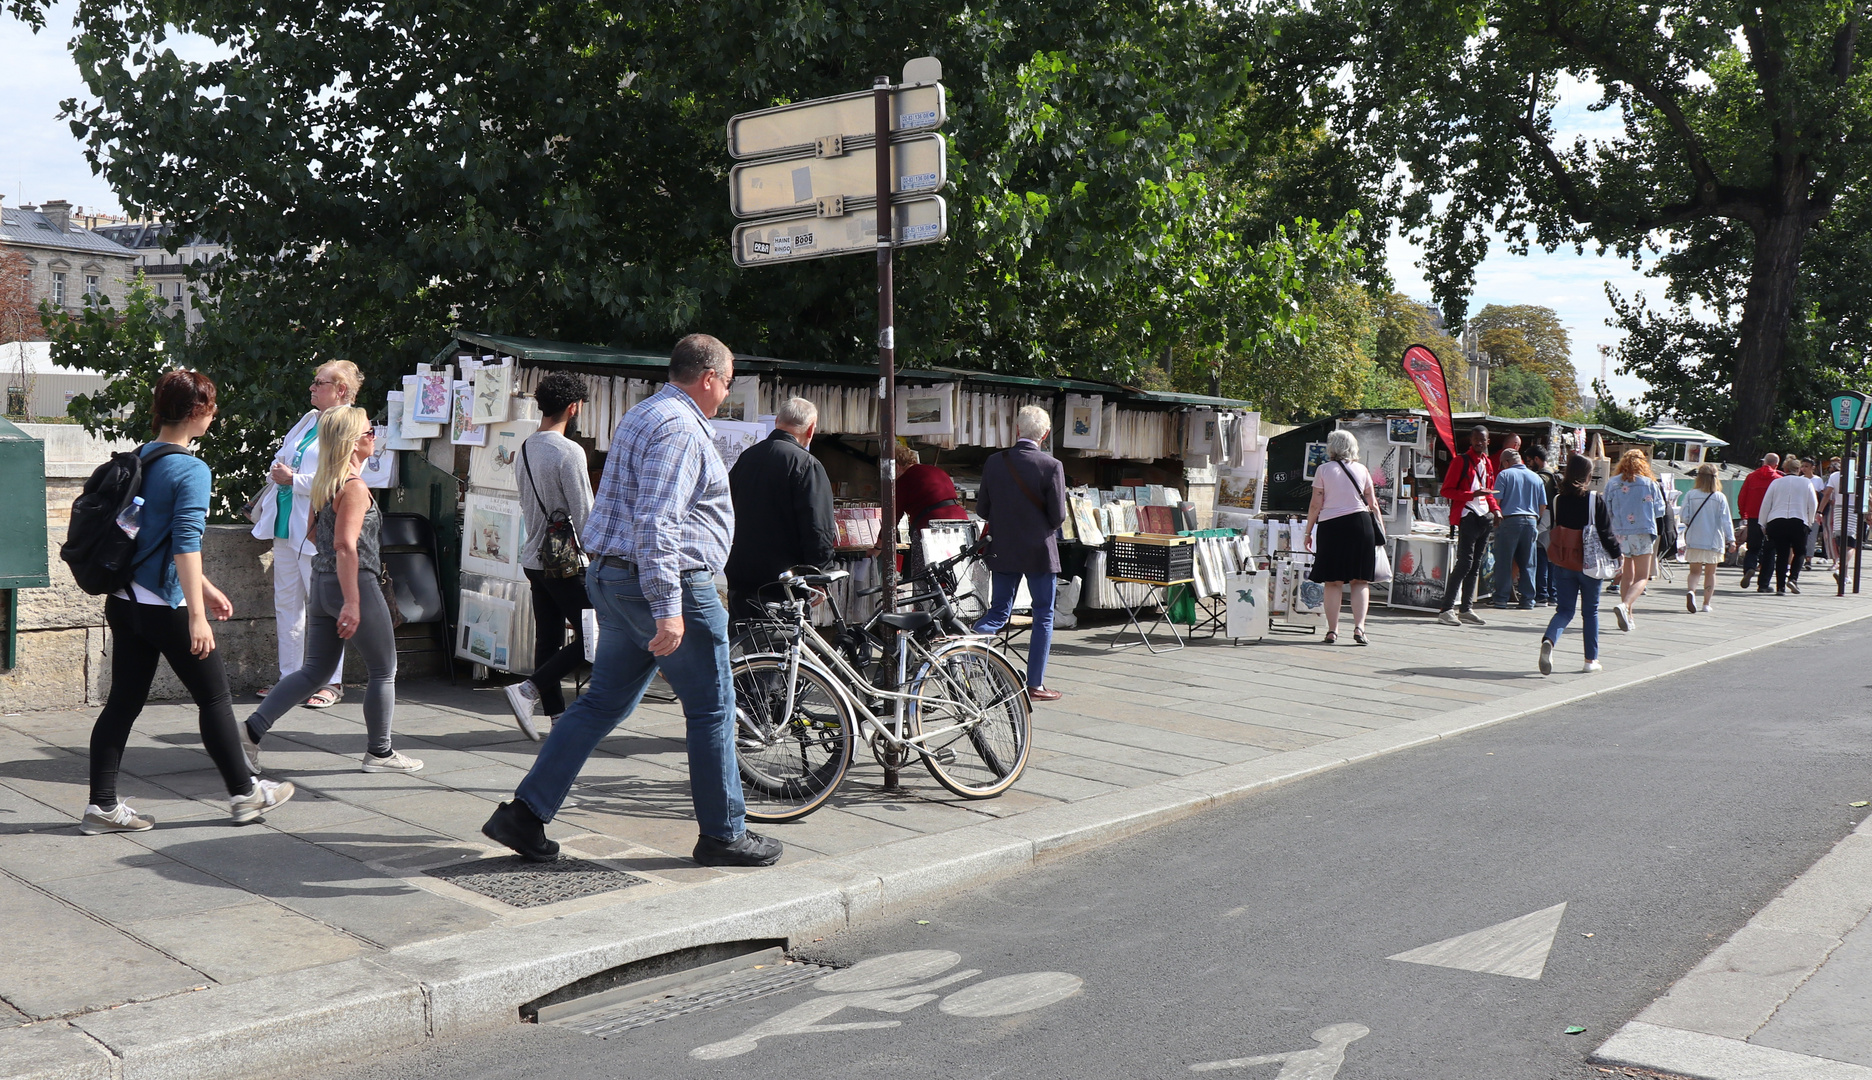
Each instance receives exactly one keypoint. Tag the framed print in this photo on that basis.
(497, 464)
(1084, 414)
(733, 437)
(1238, 489)
(1380, 457)
(926, 410)
(1315, 457)
(1405, 431)
(463, 431)
(1693, 453)
(397, 437)
(413, 429)
(1247, 605)
(743, 402)
(380, 469)
(486, 629)
(1419, 571)
(493, 394)
(435, 396)
(492, 532)
(1199, 433)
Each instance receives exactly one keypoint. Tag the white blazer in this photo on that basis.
(301, 487)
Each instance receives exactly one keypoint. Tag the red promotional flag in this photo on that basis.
(1426, 373)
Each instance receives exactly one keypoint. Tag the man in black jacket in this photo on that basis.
(1023, 498)
(783, 508)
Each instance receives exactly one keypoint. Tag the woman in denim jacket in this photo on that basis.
(1708, 533)
(1633, 497)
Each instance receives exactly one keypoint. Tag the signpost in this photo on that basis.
(803, 194)
(1851, 411)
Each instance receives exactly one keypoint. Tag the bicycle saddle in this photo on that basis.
(813, 576)
(908, 621)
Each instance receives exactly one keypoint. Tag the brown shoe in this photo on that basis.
(1041, 693)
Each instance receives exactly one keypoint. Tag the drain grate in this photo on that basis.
(745, 985)
(522, 884)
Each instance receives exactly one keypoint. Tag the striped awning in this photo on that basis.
(1677, 433)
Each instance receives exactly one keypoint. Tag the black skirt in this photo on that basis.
(1345, 549)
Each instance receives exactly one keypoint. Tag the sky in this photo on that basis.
(43, 161)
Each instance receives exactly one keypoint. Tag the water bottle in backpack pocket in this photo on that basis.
(101, 541)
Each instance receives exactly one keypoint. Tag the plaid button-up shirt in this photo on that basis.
(663, 502)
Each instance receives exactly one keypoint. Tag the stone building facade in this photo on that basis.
(65, 261)
(166, 273)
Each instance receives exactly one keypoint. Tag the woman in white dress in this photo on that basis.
(284, 519)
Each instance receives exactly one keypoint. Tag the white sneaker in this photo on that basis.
(266, 795)
(1704, 608)
(1623, 615)
(1591, 666)
(251, 749)
(1448, 618)
(394, 761)
(119, 818)
(523, 699)
(1546, 657)
(1690, 602)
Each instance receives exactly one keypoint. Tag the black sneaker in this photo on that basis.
(514, 825)
(748, 849)
(1746, 575)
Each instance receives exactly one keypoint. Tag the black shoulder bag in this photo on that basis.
(561, 555)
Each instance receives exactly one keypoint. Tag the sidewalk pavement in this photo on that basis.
(341, 927)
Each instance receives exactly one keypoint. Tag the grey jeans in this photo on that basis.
(375, 640)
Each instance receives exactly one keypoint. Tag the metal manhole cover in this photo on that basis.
(522, 884)
(727, 990)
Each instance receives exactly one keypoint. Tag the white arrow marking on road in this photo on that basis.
(1517, 948)
(1320, 1063)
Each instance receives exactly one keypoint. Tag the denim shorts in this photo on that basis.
(1637, 544)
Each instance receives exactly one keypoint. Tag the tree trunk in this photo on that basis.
(1766, 312)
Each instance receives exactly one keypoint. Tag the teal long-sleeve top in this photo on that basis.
(175, 514)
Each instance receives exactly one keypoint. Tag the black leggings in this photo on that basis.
(142, 634)
(1786, 537)
(556, 602)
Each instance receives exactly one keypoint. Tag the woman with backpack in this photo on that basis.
(283, 516)
(1707, 532)
(1345, 507)
(1581, 546)
(163, 614)
(555, 500)
(346, 603)
(1636, 503)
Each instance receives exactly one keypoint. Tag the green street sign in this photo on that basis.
(1850, 410)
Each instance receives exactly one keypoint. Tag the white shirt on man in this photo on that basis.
(1791, 496)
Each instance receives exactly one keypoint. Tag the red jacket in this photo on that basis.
(1754, 486)
(920, 488)
(1457, 480)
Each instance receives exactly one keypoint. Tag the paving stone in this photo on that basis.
(247, 941)
(37, 976)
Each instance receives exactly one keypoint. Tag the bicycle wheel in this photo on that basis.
(974, 706)
(790, 764)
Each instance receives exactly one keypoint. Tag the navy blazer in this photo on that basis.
(1023, 531)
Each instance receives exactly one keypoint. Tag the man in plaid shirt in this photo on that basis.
(658, 533)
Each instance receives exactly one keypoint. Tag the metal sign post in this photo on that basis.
(1851, 412)
(1852, 514)
(887, 344)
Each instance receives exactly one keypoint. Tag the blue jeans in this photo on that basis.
(1574, 589)
(1514, 546)
(1543, 576)
(698, 671)
(1041, 588)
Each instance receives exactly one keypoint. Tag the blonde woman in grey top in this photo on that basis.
(347, 604)
(554, 482)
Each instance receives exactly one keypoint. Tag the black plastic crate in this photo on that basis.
(1158, 560)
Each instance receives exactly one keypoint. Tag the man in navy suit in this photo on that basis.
(1023, 499)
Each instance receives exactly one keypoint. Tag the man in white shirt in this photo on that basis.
(1788, 510)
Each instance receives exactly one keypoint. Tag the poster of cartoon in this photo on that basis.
(493, 393)
(463, 431)
(492, 532)
(1247, 596)
(496, 465)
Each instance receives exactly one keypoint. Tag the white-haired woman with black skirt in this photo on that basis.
(1343, 532)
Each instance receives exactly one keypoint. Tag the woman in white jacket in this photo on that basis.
(1707, 534)
(284, 519)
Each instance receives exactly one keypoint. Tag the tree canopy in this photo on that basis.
(1744, 129)
(1531, 338)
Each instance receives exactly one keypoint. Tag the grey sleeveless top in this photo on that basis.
(325, 561)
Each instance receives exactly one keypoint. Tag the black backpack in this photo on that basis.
(101, 556)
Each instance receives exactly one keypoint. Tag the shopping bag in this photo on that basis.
(1381, 572)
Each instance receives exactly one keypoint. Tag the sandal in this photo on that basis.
(325, 698)
(1359, 636)
(1332, 636)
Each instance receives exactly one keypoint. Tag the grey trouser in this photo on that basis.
(375, 640)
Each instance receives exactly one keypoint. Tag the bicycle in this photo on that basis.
(801, 707)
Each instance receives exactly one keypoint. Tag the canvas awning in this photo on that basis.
(1678, 433)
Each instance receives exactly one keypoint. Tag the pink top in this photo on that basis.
(1343, 495)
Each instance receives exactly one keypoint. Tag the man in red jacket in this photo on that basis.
(1469, 486)
(1748, 507)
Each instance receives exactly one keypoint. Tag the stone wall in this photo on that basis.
(64, 646)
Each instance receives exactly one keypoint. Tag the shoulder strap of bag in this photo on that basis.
(1007, 462)
(1699, 511)
(1364, 501)
(535, 483)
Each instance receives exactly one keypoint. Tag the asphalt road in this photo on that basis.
(1662, 818)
